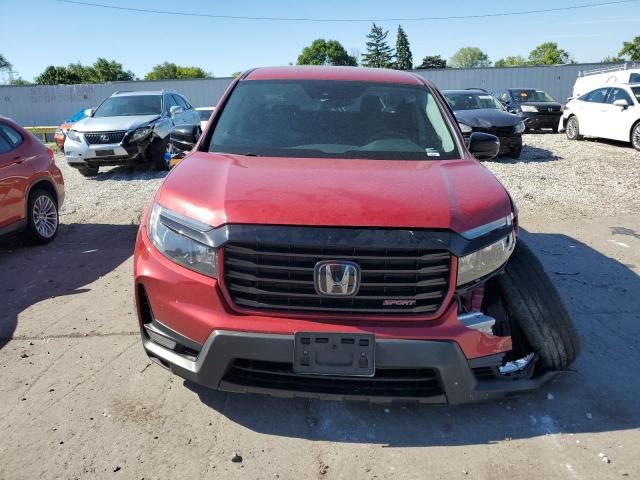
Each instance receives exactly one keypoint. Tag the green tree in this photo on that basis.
(433, 61)
(548, 53)
(236, 74)
(612, 59)
(379, 53)
(326, 52)
(470, 57)
(171, 71)
(53, 75)
(404, 58)
(4, 63)
(511, 61)
(19, 81)
(110, 71)
(631, 50)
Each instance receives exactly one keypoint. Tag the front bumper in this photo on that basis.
(79, 154)
(535, 120)
(245, 362)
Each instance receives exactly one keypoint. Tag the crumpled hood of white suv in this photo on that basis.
(113, 124)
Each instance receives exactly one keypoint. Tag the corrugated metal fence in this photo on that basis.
(51, 105)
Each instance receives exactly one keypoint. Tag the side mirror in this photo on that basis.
(174, 110)
(89, 112)
(484, 146)
(184, 137)
(621, 103)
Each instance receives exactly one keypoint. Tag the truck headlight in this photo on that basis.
(140, 134)
(485, 261)
(172, 234)
(529, 108)
(520, 127)
(75, 136)
(465, 128)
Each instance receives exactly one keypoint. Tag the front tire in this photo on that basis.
(158, 155)
(573, 129)
(635, 136)
(43, 219)
(532, 302)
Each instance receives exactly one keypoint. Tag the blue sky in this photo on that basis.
(37, 33)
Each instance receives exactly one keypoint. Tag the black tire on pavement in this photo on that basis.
(43, 220)
(635, 136)
(515, 152)
(88, 171)
(572, 128)
(157, 154)
(533, 303)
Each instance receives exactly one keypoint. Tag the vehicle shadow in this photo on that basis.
(80, 254)
(125, 172)
(529, 154)
(602, 394)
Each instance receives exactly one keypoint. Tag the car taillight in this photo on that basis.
(51, 155)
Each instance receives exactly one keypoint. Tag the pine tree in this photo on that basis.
(379, 53)
(404, 58)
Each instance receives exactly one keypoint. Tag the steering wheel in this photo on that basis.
(387, 134)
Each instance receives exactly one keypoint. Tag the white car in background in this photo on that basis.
(205, 114)
(611, 112)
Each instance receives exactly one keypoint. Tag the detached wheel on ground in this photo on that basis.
(515, 152)
(635, 136)
(43, 220)
(538, 320)
(88, 171)
(573, 129)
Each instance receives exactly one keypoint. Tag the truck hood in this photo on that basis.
(487, 118)
(220, 188)
(112, 124)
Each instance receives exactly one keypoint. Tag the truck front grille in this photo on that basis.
(393, 280)
(405, 383)
(103, 138)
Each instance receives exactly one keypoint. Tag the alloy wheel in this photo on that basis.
(572, 129)
(45, 216)
(635, 137)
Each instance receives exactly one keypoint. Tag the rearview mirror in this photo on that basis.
(484, 146)
(184, 137)
(175, 109)
(89, 112)
(621, 102)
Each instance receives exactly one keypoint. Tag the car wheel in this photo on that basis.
(515, 152)
(158, 153)
(635, 136)
(88, 171)
(539, 321)
(573, 129)
(43, 219)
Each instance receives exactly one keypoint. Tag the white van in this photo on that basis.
(592, 79)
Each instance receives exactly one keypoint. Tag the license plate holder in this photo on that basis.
(339, 354)
(104, 153)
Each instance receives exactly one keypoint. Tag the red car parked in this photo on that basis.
(331, 235)
(31, 185)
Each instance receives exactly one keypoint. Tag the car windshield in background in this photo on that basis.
(472, 101)
(333, 119)
(204, 114)
(636, 93)
(523, 96)
(130, 105)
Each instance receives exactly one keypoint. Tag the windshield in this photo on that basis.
(130, 105)
(204, 114)
(472, 101)
(333, 119)
(523, 96)
(636, 93)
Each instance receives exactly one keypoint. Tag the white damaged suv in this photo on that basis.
(128, 127)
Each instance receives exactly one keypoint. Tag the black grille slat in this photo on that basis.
(104, 138)
(421, 382)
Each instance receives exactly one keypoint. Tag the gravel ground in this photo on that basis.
(554, 177)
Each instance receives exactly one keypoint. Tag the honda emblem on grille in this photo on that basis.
(104, 138)
(336, 279)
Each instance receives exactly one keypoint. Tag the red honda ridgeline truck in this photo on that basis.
(330, 235)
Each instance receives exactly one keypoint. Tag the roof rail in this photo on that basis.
(478, 89)
(613, 68)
